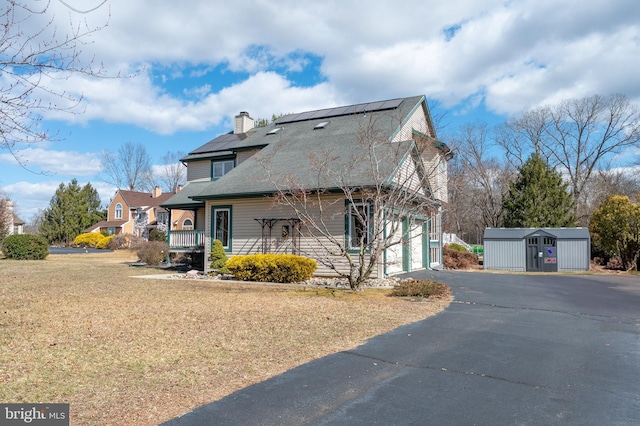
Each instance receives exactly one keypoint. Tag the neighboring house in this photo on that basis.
(14, 225)
(136, 213)
(232, 181)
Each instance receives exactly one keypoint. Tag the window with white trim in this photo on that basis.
(118, 211)
(187, 225)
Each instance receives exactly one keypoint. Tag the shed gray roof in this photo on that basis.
(520, 233)
(301, 156)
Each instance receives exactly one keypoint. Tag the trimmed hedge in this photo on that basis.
(275, 268)
(454, 259)
(25, 247)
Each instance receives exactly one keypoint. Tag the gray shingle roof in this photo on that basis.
(300, 156)
(182, 199)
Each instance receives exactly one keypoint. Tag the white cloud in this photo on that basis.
(55, 162)
(512, 54)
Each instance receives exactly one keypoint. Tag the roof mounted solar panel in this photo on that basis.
(339, 111)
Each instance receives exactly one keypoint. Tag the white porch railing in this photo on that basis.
(186, 239)
(453, 238)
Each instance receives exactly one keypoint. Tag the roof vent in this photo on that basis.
(321, 125)
(274, 131)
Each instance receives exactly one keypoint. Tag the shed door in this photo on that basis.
(533, 254)
(541, 254)
(549, 255)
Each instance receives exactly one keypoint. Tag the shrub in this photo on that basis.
(153, 252)
(104, 242)
(277, 268)
(218, 257)
(119, 241)
(457, 247)
(454, 259)
(25, 247)
(157, 235)
(88, 239)
(420, 288)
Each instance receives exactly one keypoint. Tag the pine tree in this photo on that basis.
(538, 197)
(71, 210)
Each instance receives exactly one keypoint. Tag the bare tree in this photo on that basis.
(577, 136)
(383, 204)
(478, 181)
(32, 58)
(128, 168)
(172, 174)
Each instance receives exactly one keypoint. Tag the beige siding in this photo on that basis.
(246, 232)
(407, 176)
(436, 169)
(241, 156)
(199, 170)
(418, 122)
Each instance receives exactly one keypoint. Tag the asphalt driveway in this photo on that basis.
(511, 350)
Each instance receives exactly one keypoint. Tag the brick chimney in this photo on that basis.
(157, 191)
(242, 123)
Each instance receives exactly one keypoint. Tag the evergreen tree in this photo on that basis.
(71, 210)
(538, 197)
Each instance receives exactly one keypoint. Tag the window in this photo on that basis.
(221, 226)
(118, 212)
(221, 168)
(187, 225)
(358, 225)
(111, 231)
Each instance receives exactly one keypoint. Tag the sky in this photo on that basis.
(187, 68)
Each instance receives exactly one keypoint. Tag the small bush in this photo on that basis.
(457, 247)
(277, 268)
(157, 235)
(25, 247)
(420, 288)
(119, 241)
(218, 257)
(454, 259)
(153, 252)
(104, 242)
(88, 239)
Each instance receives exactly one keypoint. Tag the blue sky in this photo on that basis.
(197, 63)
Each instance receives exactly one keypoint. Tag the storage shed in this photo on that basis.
(537, 249)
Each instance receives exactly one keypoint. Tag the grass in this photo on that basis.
(124, 351)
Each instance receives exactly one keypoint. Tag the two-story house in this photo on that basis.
(136, 213)
(236, 182)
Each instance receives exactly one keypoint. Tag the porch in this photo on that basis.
(186, 240)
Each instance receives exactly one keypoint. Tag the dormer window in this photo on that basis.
(221, 168)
